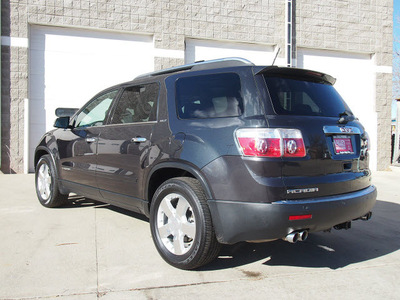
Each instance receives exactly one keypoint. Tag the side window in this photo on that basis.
(209, 96)
(96, 111)
(137, 104)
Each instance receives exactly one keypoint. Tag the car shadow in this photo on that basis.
(128, 213)
(336, 249)
(76, 201)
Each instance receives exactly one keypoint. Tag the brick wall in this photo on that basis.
(323, 25)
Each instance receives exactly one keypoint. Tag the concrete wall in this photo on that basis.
(354, 26)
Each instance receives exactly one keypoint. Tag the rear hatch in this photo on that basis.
(336, 145)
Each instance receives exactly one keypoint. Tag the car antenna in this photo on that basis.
(276, 52)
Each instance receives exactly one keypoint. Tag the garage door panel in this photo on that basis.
(36, 111)
(354, 74)
(36, 83)
(197, 49)
(36, 60)
(37, 39)
(355, 82)
(69, 66)
(34, 137)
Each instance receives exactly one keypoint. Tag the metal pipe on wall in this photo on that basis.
(0, 94)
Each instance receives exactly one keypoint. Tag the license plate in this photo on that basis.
(342, 144)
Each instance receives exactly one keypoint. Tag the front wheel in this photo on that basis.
(181, 224)
(46, 184)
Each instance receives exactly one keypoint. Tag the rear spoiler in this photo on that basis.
(295, 73)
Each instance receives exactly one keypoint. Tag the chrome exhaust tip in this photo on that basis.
(292, 237)
(303, 235)
(367, 216)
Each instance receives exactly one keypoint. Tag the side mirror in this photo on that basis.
(65, 112)
(62, 122)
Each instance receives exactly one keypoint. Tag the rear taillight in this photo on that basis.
(365, 141)
(271, 142)
(365, 145)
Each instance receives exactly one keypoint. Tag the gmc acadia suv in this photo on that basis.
(215, 152)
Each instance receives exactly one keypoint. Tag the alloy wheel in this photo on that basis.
(44, 182)
(176, 224)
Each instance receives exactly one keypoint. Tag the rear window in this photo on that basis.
(299, 97)
(209, 96)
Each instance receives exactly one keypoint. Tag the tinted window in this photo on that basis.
(209, 96)
(137, 104)
(298, 97)
(95, 112)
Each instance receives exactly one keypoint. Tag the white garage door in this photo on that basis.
(68, 66)
(206, 49)
(355, 82)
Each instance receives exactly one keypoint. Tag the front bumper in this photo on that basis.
(248, 221)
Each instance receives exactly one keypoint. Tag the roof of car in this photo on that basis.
(241, 62)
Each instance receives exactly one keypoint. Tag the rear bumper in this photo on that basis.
(248, 221)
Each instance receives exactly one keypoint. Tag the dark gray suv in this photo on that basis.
(215, 152)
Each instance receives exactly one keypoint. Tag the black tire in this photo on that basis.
(46, 184)
(176, 241)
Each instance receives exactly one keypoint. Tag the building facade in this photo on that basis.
(59, 53)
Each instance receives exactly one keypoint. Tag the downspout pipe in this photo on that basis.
(290, 33)
(1, 144)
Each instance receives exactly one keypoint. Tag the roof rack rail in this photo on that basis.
(203, 65)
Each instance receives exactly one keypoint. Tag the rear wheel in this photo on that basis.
(46, 184)
(181, 224)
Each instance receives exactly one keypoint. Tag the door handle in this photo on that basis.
(90, 140)
(138, 139)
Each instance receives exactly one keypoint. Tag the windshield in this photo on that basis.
(300, 97)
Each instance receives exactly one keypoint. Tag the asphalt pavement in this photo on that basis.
(89, 250)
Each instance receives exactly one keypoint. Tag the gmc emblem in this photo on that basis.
(345, 129)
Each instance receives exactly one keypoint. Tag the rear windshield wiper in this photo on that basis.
(345, 117)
